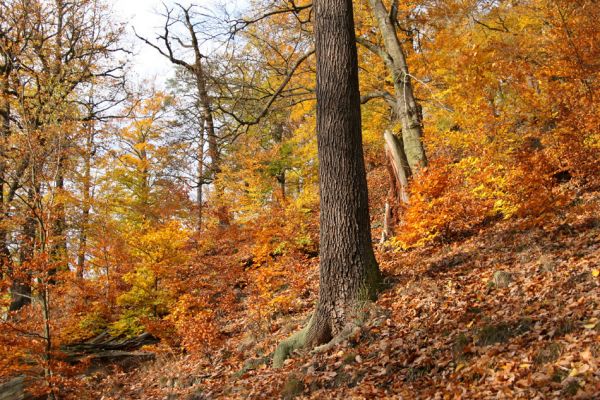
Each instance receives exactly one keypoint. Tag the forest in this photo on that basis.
(325, 199)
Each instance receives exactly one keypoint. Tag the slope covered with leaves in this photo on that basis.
(510, 312)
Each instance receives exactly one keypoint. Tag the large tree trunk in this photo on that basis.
(407, 109)
(349, 274)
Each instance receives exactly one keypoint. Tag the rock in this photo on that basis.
(547, 264)
(501, 279)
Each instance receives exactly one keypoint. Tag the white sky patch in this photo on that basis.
(144, 16)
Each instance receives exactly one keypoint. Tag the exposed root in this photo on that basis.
(312, 335)
(351, 330)
(287, 346)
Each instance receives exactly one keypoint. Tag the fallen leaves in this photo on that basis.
(425, 337)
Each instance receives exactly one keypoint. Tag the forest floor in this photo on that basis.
(512, 311)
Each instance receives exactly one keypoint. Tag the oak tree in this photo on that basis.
(349, 273)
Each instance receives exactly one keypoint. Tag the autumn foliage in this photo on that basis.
(117, 220)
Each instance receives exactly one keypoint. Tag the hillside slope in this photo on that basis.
(511, 312)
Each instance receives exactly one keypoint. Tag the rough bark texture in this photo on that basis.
(407, 109)
(349, 274)
(58, 250)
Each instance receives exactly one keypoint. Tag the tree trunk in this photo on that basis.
(207, 115)
(399, 164)
(86, 203)
(349, 274)
(200, 174)
(4, 135)
(21, 287)
(58, 251)
(407, 109)
(399, 173)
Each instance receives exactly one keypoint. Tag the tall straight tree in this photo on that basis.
(190, 41)
(349, 274)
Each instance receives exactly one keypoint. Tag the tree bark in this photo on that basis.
(349, 274)
(58, 251)
(4, 135)
(399, 173)
(407, 108)
(200, 174)
(205, 103)
(86, 201)
(20, 291)
(399, 164)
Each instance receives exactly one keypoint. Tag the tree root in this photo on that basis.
(351, 330)
(300, 339)
(287, 346)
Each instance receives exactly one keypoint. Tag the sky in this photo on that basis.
(143, 15)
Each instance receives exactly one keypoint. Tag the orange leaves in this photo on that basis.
(282, 239)
(193, 317)
(518, 92)
(443, 203)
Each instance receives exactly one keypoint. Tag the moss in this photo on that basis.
(250, 365)
(571, 388)
(366, 294)
(292, 388)
(458, 348)
(548, 354)
(287, 346)
(491, 334)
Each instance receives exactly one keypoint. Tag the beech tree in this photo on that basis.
(406, 108)
(349, 273)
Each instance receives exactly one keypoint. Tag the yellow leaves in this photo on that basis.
(595, 273)
(586, 355)
(579, 369)
(159, 245)
(591, 324)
